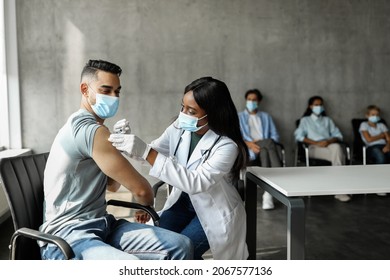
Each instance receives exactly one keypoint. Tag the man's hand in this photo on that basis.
(141, 217)
(253, 146)
(130, 144)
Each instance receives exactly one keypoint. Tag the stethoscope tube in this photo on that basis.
(208, 151)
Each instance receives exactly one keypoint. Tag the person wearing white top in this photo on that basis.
(322, 135)
(260, 135)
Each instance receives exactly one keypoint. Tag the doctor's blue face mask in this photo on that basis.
(189, 123)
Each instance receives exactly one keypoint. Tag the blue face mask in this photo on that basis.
(318, 109)
(189, 123)
(374, 119)
(251, 105)
(106, 106)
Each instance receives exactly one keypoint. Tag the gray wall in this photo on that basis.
(289, 49)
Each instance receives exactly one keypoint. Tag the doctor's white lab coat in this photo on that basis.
(216, 201)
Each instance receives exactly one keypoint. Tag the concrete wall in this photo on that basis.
(289, 49)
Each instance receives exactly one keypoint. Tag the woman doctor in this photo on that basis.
(200, 155)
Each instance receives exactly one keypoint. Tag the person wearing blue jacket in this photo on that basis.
(260, 134)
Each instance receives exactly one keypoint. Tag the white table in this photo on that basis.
(290, 184)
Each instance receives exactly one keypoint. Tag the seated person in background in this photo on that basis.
(82, 164)
(260, 134)
(376, 136)
(321, 134)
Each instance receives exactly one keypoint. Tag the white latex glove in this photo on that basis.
(122, 127)
(131, 144)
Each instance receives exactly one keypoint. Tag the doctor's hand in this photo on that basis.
(130, 144)
(122, 127)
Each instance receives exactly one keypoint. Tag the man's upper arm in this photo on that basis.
(117, 167)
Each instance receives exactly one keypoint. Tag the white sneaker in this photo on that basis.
(268, 202)
(381, 194)
(343, 197)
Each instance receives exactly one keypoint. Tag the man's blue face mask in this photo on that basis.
(106, 106)
(251, 105)
(189, 123)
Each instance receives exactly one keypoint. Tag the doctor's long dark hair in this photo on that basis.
(213, 96)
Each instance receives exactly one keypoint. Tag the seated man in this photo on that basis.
(260, 134)
(82, 164)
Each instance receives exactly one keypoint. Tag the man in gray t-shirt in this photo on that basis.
(82, 164)
(73, 180)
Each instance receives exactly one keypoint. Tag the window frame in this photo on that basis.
(10, 113)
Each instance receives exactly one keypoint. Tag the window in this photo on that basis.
(10, 125)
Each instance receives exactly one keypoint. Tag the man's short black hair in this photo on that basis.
(92, 66)
(255, 91)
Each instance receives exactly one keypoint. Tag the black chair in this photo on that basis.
(302, 154)
(22, 179)
(358, 146)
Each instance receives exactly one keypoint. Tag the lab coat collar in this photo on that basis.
(204, 144)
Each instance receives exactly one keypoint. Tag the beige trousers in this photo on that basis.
(333, 153)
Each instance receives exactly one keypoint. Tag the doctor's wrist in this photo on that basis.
(146, 152)
(151, 157)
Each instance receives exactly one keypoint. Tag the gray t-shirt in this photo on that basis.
(74, 185)
(373, 131)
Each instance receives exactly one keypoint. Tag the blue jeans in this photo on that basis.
(182, 218)
(107, 238)
(375, 155)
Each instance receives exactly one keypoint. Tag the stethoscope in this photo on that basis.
(208, 151)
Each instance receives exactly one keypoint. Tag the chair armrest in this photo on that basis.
(41, 236)
(347, 149)
(364, 155)
(305, 147)
(147, 209)
(280, 145)
(283, 159)
(157, 186)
